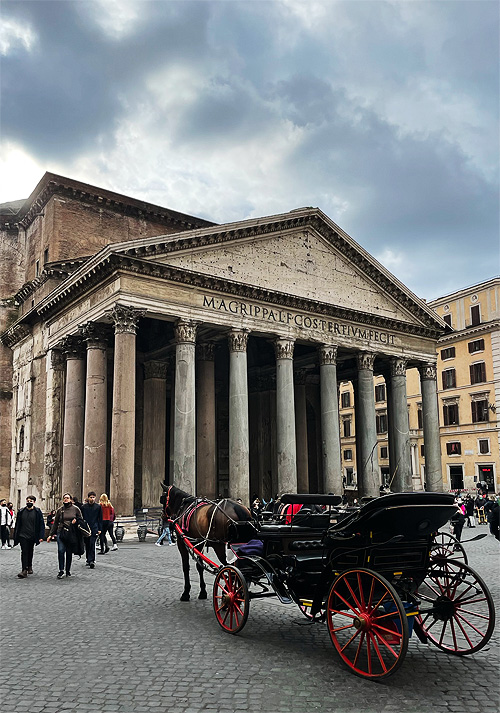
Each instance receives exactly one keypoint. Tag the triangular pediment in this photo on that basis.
(300, 263)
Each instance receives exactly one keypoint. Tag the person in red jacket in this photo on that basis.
(108, 517)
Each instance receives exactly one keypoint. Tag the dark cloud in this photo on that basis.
(385, 114)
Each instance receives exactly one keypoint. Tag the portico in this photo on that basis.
(213, 360)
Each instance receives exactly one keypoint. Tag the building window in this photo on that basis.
(454, 448)
(349, 476)
(450, 414)
(456, 477)
(484, 445)
(348, 454)
(383, 452)
(479, 411)
(447, 319)
(420, 418)
(347, 427)
(37, 268)
(380, 394)
(449, 379)
(448, 353)
(475, 316)
(381, 423)
(476, 346)
(45, 256)
(422, 450)
(478, 372)
(345, 399)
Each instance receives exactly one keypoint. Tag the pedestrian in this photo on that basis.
(165, 532)
(92, 514)
(5, 523)
(108, 516)
(469, 511)
(488, 510)
(28, 532)
(494, 519)
(457, 520)
(66, 517)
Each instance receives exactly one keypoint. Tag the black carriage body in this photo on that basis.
(391, 535)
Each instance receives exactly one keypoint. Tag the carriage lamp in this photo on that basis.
(119, 533)
(142, 531)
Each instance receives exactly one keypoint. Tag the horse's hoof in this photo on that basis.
(185, 598)
(202, 595)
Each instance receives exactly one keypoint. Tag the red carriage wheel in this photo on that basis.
(231, 599)
(461, 616)
(446, 546)
(367, 623)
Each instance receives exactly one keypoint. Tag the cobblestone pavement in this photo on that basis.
(117, 639)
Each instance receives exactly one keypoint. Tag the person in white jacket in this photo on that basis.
(5, 524)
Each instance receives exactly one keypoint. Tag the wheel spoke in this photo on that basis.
(361, 595)
(388, 631)
(360, 643)
(453, 633)
(464, 632)
(473, 613)
(342, 613)
(442, 632)
(386, 644)
(478, 631)
(346, 602)
(372, 587)
(377, 651)
(351, 639)
(353, 595)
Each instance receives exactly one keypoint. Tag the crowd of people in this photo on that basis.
(482, 509)
(78, 528)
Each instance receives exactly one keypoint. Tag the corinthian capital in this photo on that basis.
(327, 354)
(284, 348)
(185, 331)
(205, 351)
(95, 334)
(428, 371)
(126, 318)
(366, 360)
(238, 340)
(155, 369)
(73, 347)
(398, 366)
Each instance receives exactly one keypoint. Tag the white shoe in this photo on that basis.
(158, 544)
(8, 547)
(4, 547)
(115, 547)
(171, 544)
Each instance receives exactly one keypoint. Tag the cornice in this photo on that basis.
(113, 262)
(57, 272)
(52, 184)
(14, 334)
(469, 332)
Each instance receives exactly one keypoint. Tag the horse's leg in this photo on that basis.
(203, 588)
(185, 568)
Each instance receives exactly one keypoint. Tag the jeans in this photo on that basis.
(165, 533)
(90, 548)
(64, 551)
(27, 548)
(107, 526)
(5, 534)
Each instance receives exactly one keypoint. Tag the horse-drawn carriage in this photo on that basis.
(374, 577)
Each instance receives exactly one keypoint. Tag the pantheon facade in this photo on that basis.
(149, 346)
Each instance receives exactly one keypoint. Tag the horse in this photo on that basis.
(201, 519)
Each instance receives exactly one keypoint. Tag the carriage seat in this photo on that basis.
(408, 514)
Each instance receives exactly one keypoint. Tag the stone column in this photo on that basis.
(430, 416)
(400, 428)
(239, 452)
(123, 418)
(54, 418)
(301, 431)
(185, 407)
(95, 431)
(206, 468)
(366, 429)
(154, 431)
(74, 410)
(330, 432)
(285, 417)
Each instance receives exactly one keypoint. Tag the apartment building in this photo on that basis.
(468, 381)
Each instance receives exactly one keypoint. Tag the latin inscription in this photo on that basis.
(295, 319)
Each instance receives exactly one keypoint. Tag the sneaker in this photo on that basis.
(68, 574)
(158, 544)
(171, 544)
(106, 550)
(114, 548)
(87, 564)
(60, 575)
(8, 547)
(30, 571)
(92, 565)
(101, 553)
(23, 574)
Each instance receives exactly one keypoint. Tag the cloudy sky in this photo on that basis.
(384, 113)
